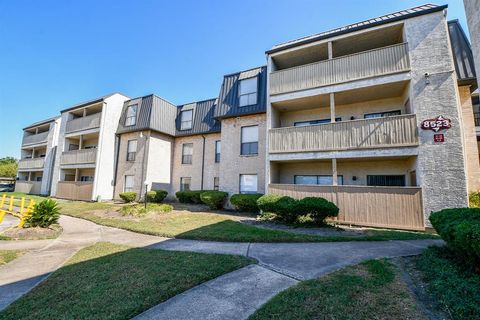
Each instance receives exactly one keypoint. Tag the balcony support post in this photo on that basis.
(76, 174)
(84, 112)
(330, 50)
(334, 172)
(80, 143)
(29, 175)
(332, 107)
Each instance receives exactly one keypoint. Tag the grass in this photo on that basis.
(107, 281)
(452, 284)
(8, 255)
(139, 210)
(211, 226)
(371, 290)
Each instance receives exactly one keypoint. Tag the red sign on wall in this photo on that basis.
(438, 137)
(439, 123)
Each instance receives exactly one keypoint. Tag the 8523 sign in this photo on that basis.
(437, 124)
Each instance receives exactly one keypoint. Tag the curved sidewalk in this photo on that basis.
(232, 296)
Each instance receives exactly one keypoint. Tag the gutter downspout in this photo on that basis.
(145, 152)
(115, 165)
(203, 159)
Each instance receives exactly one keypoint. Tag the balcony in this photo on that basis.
(386, 207)
(84, 123)
(31, 187)
(29, 164)
(376, 62)
(74, 190)
(395, 131)
(35, 138)
(84, 156)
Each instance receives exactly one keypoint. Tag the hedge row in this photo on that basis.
(156, 196)
(460, 228)
(213, 199)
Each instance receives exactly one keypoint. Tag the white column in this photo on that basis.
(332, 107)
(330, 50)
(80, 144)
(76, 175)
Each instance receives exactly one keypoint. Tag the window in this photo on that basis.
(38, 179)
(216, 183)
(90, 147)
(128, 186)
(217, 151)
(86, 178)
(186, 119)
(317, 179)
(248, 183)
(187, 151)
(185, 184)
(131, 150)
(249, 143)
(72, 147)
(386, 180)
(314, 122)
(69, 177)
(131, 118)
(382, 114)
(247, 92)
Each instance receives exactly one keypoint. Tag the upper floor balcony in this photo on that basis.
(384, 132)
(84, 123)
(38, 138)
(31, 163)
(77, 157)
(371, 63)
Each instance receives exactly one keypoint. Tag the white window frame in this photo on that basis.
(318, 179)
(247, 96)
(182, 183)
(128, 188)
(186, 124)
(131, 119)
(187, 158)
(243, 188)
(218, 150)
(131, 154)
(248, 145)
(216, 183)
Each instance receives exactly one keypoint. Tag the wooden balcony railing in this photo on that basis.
(386, 207)
(84, 123)
(74, 190)
(84, 156)
(35, 138)
(376, 62)
(35, 163)
(31, 187)
(395, 131)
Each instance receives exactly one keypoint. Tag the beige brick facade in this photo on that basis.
(233, 164)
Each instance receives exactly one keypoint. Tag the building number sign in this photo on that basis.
(437, 124)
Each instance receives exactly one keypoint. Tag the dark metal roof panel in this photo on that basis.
(203, 118)
(462, 53)
(388, 18)
(228, 102)
(153, 113)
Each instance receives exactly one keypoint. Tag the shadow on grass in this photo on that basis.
(109, 281)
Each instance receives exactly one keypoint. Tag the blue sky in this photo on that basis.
(59, 53)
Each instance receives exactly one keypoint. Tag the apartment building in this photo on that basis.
(376, 116)
(353, 113)
(84, 166)
(36, 164)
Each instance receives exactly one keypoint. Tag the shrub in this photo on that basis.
(246, 202)
(318, 208)
(156, 196)
(460, 228)
(138, 210)
(189, 196)
(474, 199)
(283, 206)
(214, 199)
(160, 195)
(128, 196)
(44, 214)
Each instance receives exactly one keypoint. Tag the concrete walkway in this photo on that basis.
(235, 295)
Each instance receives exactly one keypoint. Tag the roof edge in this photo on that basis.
(41, 122)
(358, 28)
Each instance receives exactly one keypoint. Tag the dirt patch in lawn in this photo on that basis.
(34, 233)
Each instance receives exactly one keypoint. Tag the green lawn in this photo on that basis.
(371, 290)
(8, 255)
(451, 283)
(210, 226)
(108, 281)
